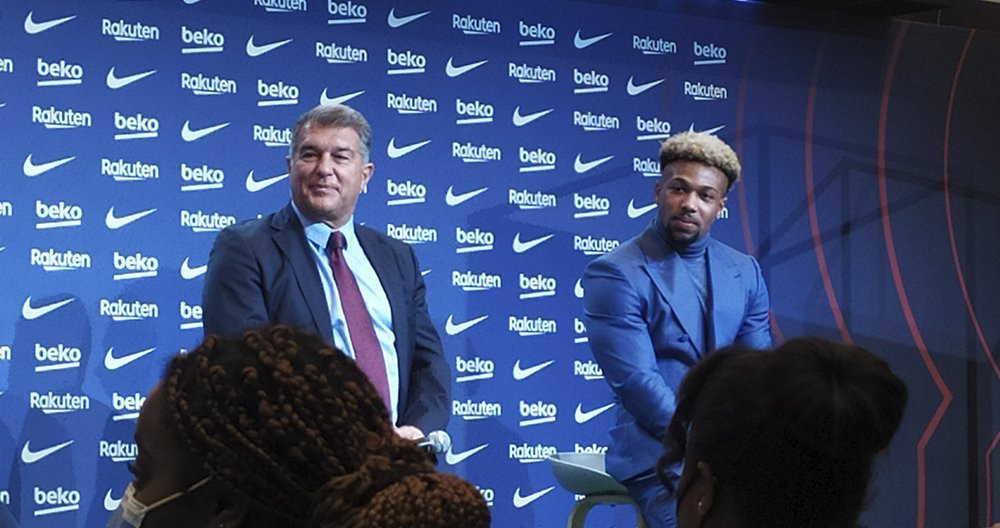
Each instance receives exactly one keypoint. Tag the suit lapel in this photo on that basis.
(389, 274)
(674, 283)
(290, 238)
(726, 294)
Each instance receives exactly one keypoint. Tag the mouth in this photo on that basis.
(685, 221)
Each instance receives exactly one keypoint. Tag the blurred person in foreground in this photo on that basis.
(277, 428)
(785, 437)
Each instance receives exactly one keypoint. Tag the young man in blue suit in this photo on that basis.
(659, 302)
(283, 268)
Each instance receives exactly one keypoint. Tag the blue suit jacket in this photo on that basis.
(640, 308)
(261, 272)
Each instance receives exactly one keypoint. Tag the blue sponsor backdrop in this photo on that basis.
(513, 143)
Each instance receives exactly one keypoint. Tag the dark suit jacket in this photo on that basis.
(641, 308)
(261, 272)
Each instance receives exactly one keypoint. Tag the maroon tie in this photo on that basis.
(367, 352)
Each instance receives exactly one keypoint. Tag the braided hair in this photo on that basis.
(292, 423)
(791, 432)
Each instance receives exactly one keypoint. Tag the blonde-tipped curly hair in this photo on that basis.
(704, 148)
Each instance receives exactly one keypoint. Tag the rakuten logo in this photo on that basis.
(62, 214)
(473, 369)
(6, 65)
(535, 287)
(6, 208)
(201, 41)
(470, 25)
(55, 119)
(136, 266)
(591, 122)
(272, 136)
(527, 200)
(580, 330)
(705, 92)
(470, 113)
(470, 410)
(405, 62)
(706, 54)
(117, 451)
(346, 13)
(5, 352)
(470, 153)
(529, 454)
(470, 281)
(190, 316)
(535, 34)
(723, 213)
(123, 31)
(650, 129)
(52, 403)
(405, 104)
(200, 222)
(136, 127)
(537, 413)
(588, 370)
(594, 246)
(411, 235)
(277, 94)
(590, 206)
(281, 6)
(334, 53)
(52, 260)
(201, 178)
(123, 171)
(200, 84)
(120, 310)
(59, 500)
(58, 357)
(527, 74)
(536, 160)
(590, 82)
(59, 73)
(473, 241)
(648, 167)
(653, 46)
(526, 326)
(405, 193)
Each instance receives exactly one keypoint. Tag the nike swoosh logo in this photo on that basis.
(586, 416)
(31, 170)
(455, 458)
(453, 328)
(111, 503)
(521, 120)
(258, 185)
(521, 247)
(709, 131)
(31, 27)
(340, 99)
(634, 89)
(30, 457)
(187, 272)
(114, 82)
(254, 50)
(395, 152)
(578, 289)
(520, 374)
(31, 312)
(115, 222)
(191, 2)
(192, 135)
(395, 22)
(454, 71)
(581, 43)
(454, 199)
(583, 166)
(114, 363)
(520, 502)
(636, 212)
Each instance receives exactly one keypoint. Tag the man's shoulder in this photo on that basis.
(729, 253)
(628, 254)
(368, 236)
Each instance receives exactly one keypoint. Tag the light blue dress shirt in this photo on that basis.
(318, 233)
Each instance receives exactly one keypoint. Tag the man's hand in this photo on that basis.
(409, 432)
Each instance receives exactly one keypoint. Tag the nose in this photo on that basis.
(325, 164)
(687, 203)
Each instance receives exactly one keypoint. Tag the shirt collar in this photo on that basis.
(319, 233)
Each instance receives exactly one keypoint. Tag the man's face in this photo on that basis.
(327, 173)
(690, 194)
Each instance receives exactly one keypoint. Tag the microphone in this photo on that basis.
(435, 443)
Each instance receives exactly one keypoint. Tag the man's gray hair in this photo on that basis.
(704, 148)
(334, 116)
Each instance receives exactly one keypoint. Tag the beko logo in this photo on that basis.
(536, 413)
(57, 215)
(590, 206)
(132, 404)
(648, 167)
(123, 31)
(59, 73)
(346, 13)
(136, 266)
(201, 41)
(120, 310)
(470, 410)
(527, 74)
(281, 6)
(59, 500)
(474, 112)
(58, 357)
(136, 127)
(527, 200)
(6, 65)
(199, 84)
(588, 370)
(592, 448)
(650, 129)
(593, 246)
(117, 451)
(52, 403)
(525, 326)
(536, 34)
(405, 104)
(705, 92)
(411, 235)
(200, 222)
(405, 192)
(536, 160)
(590, 82)
(473, 369)
(706, 54)
(52, 260)
(487, 493)
(591, 122)
(579, 329)
(473, 241)
(474, 26)
(272, 136)
(470, 153)
(535, 287)
(277, 94)
(201, 178)
(528, 454)
(653, 46)
(405, 62)
(337, 54)
(55, 119)
(471, 281)
(190, 316)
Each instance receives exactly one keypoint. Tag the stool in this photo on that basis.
(584, 474)
(579, 512)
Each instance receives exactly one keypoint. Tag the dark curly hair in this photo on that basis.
(791, 432)
(292, 423)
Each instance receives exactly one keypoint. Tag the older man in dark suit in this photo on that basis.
(309, 265)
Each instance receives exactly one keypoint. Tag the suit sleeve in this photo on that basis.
(232, 298)
(619, 339)
(428, 405)
(755, 330)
